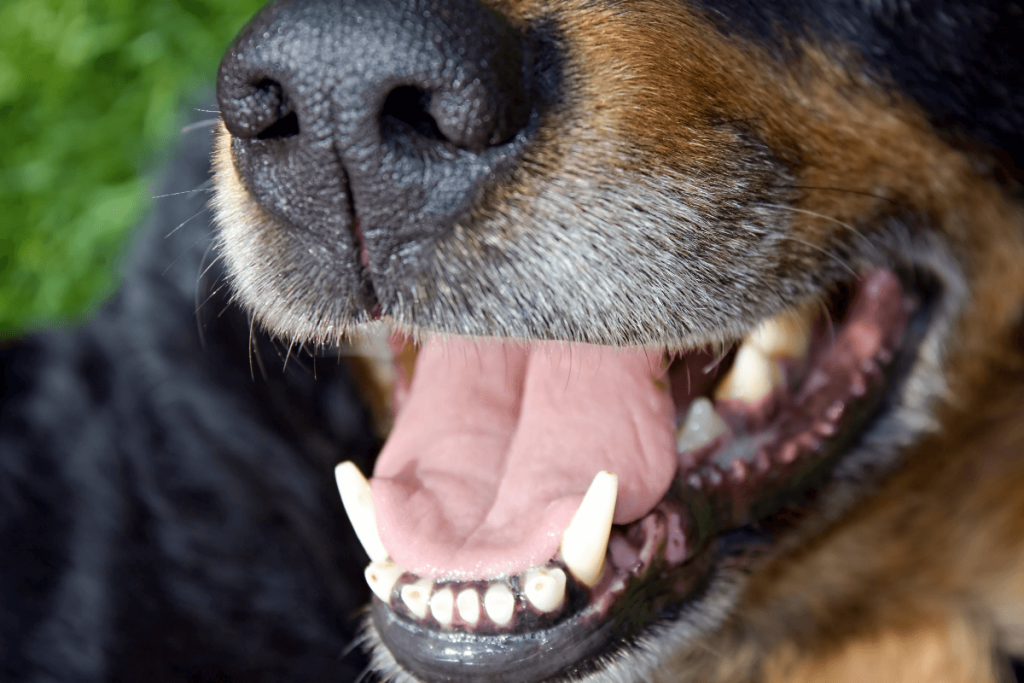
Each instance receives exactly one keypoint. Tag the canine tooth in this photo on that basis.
(382, 577)
(585, 540)
(787, 335)
(499, 603)
(544, 587)
(752, 376)
(468, 603)
(701, 426)
(416, 596)
(358, 502)
(442, 606)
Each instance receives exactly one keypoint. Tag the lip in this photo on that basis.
(644, 583)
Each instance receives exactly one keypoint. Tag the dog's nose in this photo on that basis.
(392, 113)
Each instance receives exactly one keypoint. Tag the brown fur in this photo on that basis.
(923, 580)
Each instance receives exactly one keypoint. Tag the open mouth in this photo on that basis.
(537, 505)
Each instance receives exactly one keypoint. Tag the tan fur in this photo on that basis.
(923, 580)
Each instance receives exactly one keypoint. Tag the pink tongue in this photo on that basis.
(496, 444)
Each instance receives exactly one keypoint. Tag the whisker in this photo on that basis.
(288, 355)
(209, 111)
(186, 250)
(205, 123)
(182, 224)
(815, 214)
(199, 282)
(204, 187)
(863, 193)
(362, 676)
(254, 350)
(212, 263)
(252, 372)
(351, 647)
(713, 365)
(828, 253)
(207, 299)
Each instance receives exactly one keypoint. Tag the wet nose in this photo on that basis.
(378, 119)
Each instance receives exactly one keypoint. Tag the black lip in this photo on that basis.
(465, 657)
(572, 647)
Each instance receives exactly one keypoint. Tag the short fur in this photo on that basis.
(705, 165)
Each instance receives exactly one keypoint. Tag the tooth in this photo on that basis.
(468, 603)
(585, 541)
(701, 426)
(499, 603)
(416, 596)
(442, 606)
(358, 502)
(382, 577)
(785, 336)
(751, 377)
(544, 587)
(372, 363)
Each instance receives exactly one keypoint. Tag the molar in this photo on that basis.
(701, 426)
(753, 376)
(787, 335)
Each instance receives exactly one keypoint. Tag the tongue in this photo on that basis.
(496, 444)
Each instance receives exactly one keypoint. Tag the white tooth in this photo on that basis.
(370, 342)
(702, 426)
(751, 377)
(416, 596)
(785, 336)
(499, 603)
(585, 540)
(442, 606)
(468, 603)
(358, 502)
(382, 577)
(544, 587)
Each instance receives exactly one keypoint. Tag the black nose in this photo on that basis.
(382, 118)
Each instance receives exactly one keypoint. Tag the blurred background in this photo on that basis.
(93, 93)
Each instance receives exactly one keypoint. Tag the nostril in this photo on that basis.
(409, 105)
(258, 108)
(285, 127)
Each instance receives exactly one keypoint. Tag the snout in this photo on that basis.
(372, 126)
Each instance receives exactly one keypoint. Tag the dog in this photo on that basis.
(706, 320)
(693, 328)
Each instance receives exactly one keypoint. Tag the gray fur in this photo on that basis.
(594, 240)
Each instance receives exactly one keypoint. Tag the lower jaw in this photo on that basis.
(732, 498)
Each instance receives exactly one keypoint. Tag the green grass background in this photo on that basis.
(92, 92)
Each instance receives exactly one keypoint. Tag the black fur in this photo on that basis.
(167, 511)
(964, 68)
(169, 514)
